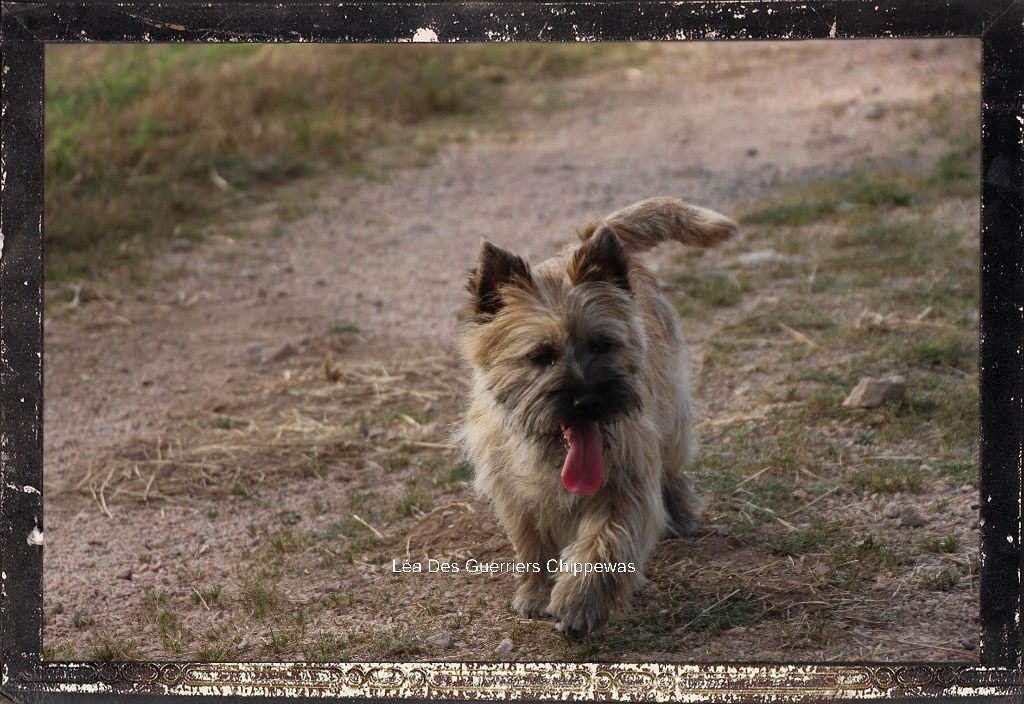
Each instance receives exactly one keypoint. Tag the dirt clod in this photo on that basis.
(911, 516)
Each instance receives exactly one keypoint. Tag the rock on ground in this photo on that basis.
(871, 392)
(444, 640)
(504, 648)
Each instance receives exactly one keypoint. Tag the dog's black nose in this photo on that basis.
(588, 405)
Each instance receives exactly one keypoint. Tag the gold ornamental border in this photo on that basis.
(525, 681)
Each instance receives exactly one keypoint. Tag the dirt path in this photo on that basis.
(383, 263)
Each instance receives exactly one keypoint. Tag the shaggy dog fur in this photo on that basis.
(579, 363)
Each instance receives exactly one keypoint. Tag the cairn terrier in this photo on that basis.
(579, 365)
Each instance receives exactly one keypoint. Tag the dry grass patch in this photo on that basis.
(146, 144)
(370, 416)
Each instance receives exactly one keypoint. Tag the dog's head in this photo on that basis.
(559, 349)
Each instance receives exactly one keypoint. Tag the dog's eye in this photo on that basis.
(543, 355)
(602, 346)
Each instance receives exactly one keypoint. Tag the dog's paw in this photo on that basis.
(682, 527)
(578, 626)
(579, 611)
(531, 601)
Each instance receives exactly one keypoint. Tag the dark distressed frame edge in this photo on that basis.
(25, 28)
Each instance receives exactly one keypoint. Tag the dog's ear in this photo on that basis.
(494, 269)
(601, 258)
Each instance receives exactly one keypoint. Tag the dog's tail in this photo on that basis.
(643, 225)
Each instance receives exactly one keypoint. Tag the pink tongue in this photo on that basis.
(583, 470)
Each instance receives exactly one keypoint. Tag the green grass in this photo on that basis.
(312, 467)
(396, 642)
(947, 544)
(889, 479)
(952, 349)
(942, 581)
(713, 289)
(790, 214)
(209, 596)
(869, 552)
(412, 499)
(343, 328)
(106, 648)
(830, 198)
(258, 599)
(461, 472)
(957, 172)
(175, 635)
(82, 621)
(328, 648)
(808, 540)
(221, 644)
(227, 423)
(659, 626)
(145, 144)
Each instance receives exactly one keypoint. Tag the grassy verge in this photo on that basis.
(150, 143)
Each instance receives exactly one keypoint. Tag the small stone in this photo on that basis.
(375, 432)
(283, 352)
(966, 488)
(871, 392)
(891, 510)
(877, 112)
(505, 648)
(256, 348)
(126, 575)
(418, 228)
(761, 257)
(444, 640)
(431, 430)
(911, 516)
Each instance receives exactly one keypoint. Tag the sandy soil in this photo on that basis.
(718, 125)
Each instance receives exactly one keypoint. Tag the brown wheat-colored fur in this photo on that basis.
(591, 319)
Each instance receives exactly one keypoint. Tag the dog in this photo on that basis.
(580, 421)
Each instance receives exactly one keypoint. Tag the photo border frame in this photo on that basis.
(26, 28)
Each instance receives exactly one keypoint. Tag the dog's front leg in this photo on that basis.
(617, 531)
(534, 590)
